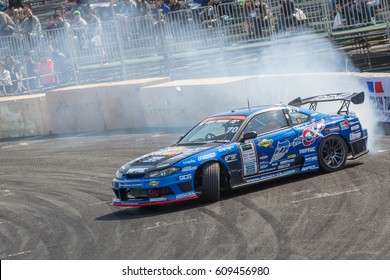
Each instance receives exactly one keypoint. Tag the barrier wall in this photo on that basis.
(97, 107)
(23, 116)
(121, 103)
(162, 103)
(378, 91)
(183, 103)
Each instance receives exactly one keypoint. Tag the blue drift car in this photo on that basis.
(244, 147)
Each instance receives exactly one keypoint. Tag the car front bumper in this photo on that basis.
(145, 192)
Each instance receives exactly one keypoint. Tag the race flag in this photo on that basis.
(375, 87)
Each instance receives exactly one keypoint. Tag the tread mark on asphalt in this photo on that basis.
(283, 250)
(232, 228)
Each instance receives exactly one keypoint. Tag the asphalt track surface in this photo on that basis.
(55, 204)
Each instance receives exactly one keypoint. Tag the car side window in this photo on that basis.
(266, 122)
(299, 117)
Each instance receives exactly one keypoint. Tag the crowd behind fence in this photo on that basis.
(192, 28)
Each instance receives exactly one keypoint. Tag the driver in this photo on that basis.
(272, 122)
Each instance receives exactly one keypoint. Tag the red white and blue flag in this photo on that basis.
(375, 87)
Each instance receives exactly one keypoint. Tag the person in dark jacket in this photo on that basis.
(286, 11)
(15, 4)
(62, 65)
(31, 70)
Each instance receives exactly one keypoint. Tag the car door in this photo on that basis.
(273, 149)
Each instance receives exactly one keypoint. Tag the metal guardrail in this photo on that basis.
(188, 30)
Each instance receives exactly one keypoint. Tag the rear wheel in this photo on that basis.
(332, 153)
(211, 182)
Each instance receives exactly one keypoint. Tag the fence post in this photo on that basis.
(386, 11)
(71, 46)
(120, 41)
(328, 23)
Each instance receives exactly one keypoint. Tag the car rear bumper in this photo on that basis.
(359, 147)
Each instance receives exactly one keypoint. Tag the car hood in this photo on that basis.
(165, 157)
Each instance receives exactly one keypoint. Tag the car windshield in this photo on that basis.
(214, 129)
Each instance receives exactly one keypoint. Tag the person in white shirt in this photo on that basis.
(5, 79)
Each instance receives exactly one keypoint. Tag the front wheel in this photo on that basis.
(332, 153)
(211, 182)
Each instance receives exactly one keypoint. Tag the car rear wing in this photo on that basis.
(345, 97)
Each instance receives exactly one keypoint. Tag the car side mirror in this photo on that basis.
(248, 135)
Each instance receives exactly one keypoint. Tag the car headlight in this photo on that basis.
(119, 173)
(162, 172)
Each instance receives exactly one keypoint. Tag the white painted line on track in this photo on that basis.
(164, 224)
(321, 195)
(382, 151)
(17, 145)
(159, 135)
(18, 254)
(32, 140)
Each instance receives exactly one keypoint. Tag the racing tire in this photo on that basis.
(332, 153)
(211, 182)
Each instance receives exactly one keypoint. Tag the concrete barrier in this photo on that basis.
(74, 109)
(23, 116)
(158, 102)
(185, 102)
(121, 103)
(97, 107)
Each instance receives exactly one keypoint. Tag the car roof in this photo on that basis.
(250, 111)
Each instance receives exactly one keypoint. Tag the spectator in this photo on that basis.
(7, 25)
(18, 19)
(286, 11)
(50, 24)
(140, 26)
(249, 14)
(78, 20)
(31, 70)
(160, 10)
(15, 4)
(364, 11)
(9, 62)
(31, 27)
(46, 71)
(60, 22)
(174, 5)
(202, 3)
(175, 18)
(57, 28)
(62, 65)
(68, 13)
(128, 9)
(344, 8)
(5, 79)
(94, 32)
(18, 78)
(79, 26)
(372, 7)
(257, 17)
(143, 9)
(94, 29)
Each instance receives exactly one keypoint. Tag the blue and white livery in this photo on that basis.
(244, 147)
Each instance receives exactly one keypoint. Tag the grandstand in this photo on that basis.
(189, 39)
